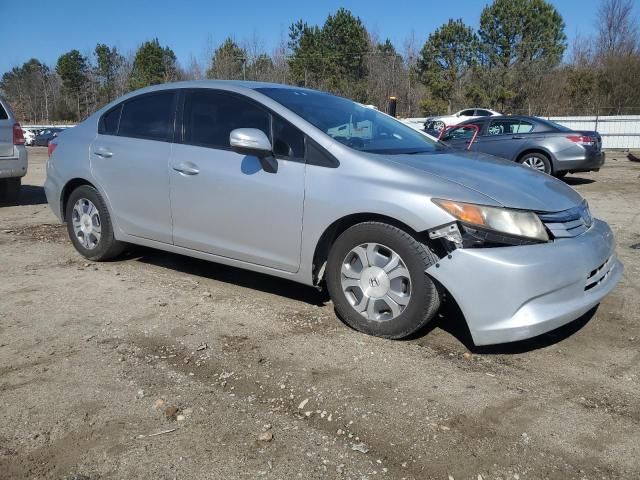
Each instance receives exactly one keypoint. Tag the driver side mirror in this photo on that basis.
(254, 142)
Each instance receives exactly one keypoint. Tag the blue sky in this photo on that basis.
(46, 30)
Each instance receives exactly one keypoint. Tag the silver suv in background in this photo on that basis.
(13, 155)
(321, 190)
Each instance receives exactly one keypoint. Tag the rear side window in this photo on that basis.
(109, 121)
(209, 117)
(524, 127)
(503, 127)
(483, 113)
(149, 117)
(3, 113)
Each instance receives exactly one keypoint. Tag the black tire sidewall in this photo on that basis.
(421, 306)
(107, 244)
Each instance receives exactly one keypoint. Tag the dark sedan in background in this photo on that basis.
(45, 136)
(531, 141)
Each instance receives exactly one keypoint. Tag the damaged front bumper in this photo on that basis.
(514, 293)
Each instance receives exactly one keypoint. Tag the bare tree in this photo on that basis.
(617, 28)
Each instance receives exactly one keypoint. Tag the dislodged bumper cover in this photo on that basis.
(513, 293)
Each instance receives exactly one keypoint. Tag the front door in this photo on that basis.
(223, 202)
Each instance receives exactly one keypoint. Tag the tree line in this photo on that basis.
(517, 61)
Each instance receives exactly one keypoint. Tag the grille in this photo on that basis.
(600, 274)
(568, 223)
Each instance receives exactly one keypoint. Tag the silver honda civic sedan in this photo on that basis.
(324, 191)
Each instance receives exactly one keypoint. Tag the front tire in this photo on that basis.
(10, 190)
(537, 161)
(89, 225)
(376, 279)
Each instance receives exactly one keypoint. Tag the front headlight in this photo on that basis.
(511, 222)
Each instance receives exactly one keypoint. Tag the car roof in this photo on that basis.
(234, 84)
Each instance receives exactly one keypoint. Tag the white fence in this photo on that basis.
(617, 131)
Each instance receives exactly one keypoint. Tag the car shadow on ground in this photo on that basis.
(231, 275)
(451, 320)
(29, 195)
(569, 180)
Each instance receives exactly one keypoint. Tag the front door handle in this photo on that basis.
(186, 168)
(517, 137)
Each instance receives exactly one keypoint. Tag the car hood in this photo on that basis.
(508, 183)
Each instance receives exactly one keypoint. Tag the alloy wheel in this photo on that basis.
(376, 282)
(534, 162)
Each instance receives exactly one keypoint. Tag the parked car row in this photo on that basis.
(324, 191)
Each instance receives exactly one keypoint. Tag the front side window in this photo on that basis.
(465, 132)
(209, 117)
(467, 113)
(148, 117)
(352, 124)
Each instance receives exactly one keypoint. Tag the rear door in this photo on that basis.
(225, 203)
(504, 137)
(130, 161)
(6, 132)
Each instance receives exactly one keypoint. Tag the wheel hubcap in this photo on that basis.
(86, 223)
(376, 281)
(534, 162)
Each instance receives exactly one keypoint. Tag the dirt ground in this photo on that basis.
(268, 383)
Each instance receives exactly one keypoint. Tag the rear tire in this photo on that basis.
(537, 161)
(89, 225)
(10, 190)
(364, 296)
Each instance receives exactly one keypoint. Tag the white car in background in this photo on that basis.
(436, 124)
(29, 136)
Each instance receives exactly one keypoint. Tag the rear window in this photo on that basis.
(3, 113)
(148, 117)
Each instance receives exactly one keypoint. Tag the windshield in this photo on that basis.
(357, 126)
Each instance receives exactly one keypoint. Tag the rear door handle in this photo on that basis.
(517, 137)
(103, 152)
(186, 168)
